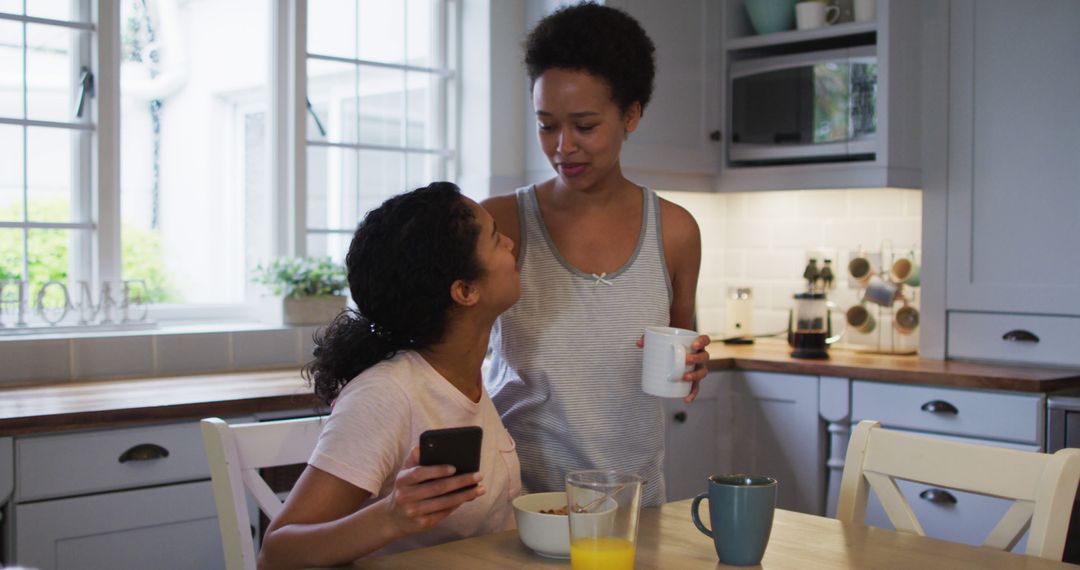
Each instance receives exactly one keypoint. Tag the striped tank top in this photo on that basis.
(566, 370)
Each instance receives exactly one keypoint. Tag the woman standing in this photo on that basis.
(429, 273)
(600, 257)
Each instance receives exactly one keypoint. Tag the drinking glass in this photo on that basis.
(603, 506)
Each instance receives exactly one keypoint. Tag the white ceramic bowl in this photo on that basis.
(547, 535)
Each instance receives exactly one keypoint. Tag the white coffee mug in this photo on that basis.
(865, 10)
(664, 361)
(815, 14)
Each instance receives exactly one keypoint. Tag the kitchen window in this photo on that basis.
(185, 160)
(47, 129)
(376, 93)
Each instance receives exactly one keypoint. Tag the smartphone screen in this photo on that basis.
(458, 446)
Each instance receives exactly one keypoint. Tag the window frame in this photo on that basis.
(446, 38)
(81, 220)
(99, 257)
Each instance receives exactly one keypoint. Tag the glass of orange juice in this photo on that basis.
(603, 506)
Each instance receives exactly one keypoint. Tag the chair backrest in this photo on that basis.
(1042, 485)
(236, 453)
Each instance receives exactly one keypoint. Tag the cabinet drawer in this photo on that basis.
(50, 466)
(981, 336)
(981, 414)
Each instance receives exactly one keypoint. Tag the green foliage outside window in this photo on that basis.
(48, 255)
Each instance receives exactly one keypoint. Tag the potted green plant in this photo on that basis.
(312, 288)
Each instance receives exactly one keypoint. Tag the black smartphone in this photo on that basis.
(458, 446)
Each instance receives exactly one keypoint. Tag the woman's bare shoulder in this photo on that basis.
(679, 226)
(504, 210)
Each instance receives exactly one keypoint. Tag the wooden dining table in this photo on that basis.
(667, 538)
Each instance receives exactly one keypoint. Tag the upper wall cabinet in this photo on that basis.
(1014, 180)
(676, 146)
(835, 106)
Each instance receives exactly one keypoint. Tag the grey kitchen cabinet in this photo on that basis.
(691, 435)
(1013, 179)
(676, 146)
(7, 486)
(894, 35)
(983, 417)
(170, 527)
(114, 499)
(775, 430)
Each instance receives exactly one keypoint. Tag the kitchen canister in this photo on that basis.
(769, 16)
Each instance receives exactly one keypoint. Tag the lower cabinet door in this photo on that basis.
(776, 431)
(690, 433)
(166, 528)
(968, 520)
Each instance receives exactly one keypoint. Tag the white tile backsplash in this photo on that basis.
(179, 353)
(766, 237)
(22, 362)
(262, 349)
(115, 356)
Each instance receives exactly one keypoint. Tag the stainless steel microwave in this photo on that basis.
(808, 107)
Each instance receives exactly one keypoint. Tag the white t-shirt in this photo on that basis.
(376, 421)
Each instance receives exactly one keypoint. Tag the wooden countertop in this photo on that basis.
(774, 356)
(87, 405)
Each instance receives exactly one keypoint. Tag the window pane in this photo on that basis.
(193, 74)
(331, 188)
(52, 71)
(11, 173)
(11, 256)
(381, 31)
(47, 254)
(49, 173)
(423, 169)
(420, 32)
(52, 9)
(331, 27)
(380, 178)
(332, 91)
(381, 105)
(11, 69)
(421, 130)
(333, 245)
(11, 6)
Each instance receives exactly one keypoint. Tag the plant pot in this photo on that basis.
(312, 310)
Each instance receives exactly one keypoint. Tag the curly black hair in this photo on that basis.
(600, 40)
(401, 263)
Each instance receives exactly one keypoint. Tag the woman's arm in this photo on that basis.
(682, 250)
(322, 523)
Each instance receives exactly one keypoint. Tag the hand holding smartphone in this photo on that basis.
(458, 446)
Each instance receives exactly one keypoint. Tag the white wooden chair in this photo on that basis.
(236, 453)
(1042, 485)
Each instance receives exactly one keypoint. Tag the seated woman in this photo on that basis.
(429, 273)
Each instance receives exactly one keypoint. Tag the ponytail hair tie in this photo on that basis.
(386, 335)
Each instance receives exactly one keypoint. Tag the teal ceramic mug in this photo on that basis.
(741, 512)
(768, 16)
